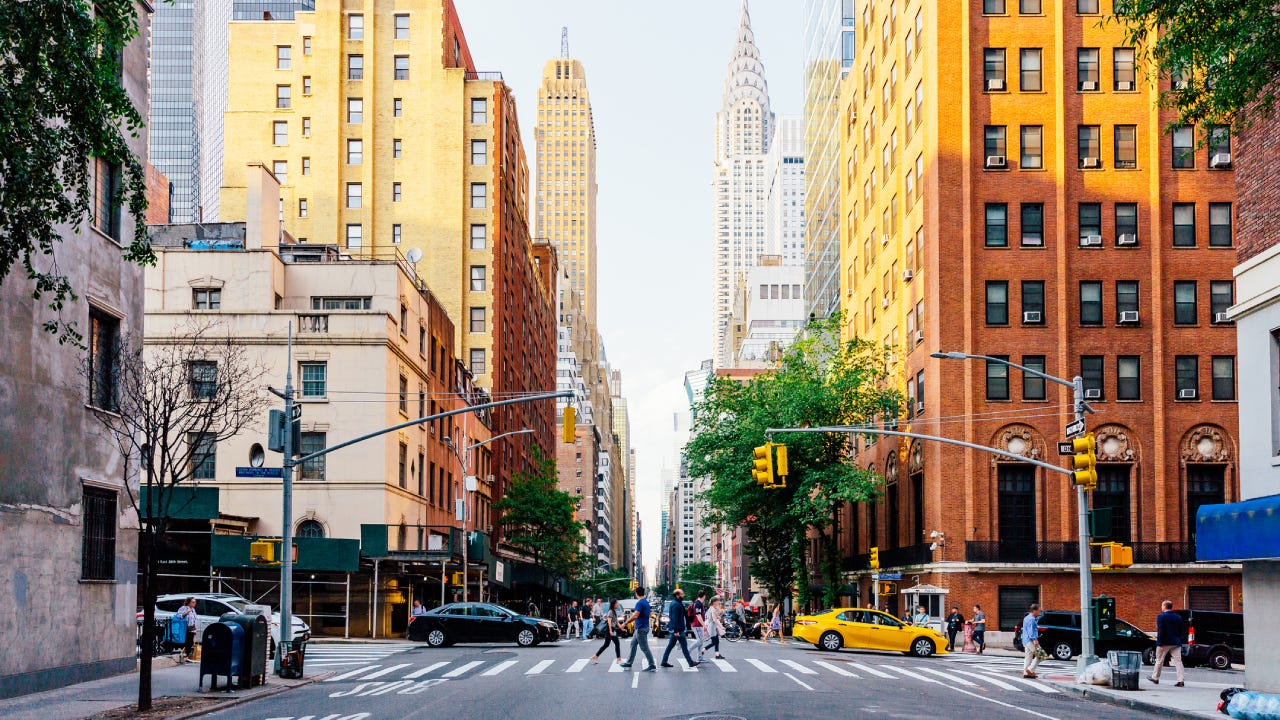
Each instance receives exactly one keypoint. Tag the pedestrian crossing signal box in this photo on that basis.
(266, 551)
(570, 429)
(888, 588)
(456, 579)
(1104, 618)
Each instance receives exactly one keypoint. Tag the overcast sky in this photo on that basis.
(655, 70)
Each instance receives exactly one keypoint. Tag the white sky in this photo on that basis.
(655, 69)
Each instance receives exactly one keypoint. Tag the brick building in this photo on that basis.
(1026, 204)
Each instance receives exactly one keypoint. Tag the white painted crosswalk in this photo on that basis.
(335, 655)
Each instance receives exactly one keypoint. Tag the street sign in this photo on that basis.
(1066, 448)
(1074, 429)
(890, 576)
(297, 412)
(259, 472)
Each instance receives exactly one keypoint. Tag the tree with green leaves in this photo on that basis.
(62, 105)
(607, 584)
(537, 518)
(697, 576)
(821, 380)
(1225, 55)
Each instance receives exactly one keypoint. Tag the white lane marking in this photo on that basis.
(537, 669)
(724, 665)
(836, 668)
(425, 670)
(765, 668)
(987, 678)
(578, 665)
(797, 681)
(875, 672)
(948, 677)
(798, 667)
(1000, 703)
(388, 687)
(1024, 681)
(352, 673)
(685, 666)
(385, 671)
(498, 668)
(616, 667)
(635, 680)
(463, 668)
(908, 673)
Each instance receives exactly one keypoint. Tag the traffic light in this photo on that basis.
(570, 424)
(1085, 462)
(875, 558)
(888, 588)
(762, 465)
(1116, 556)
(456, 579)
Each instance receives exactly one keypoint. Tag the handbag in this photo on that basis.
(1041, 653)
(602, 627)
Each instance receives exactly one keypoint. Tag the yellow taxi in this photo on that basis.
(866, 629)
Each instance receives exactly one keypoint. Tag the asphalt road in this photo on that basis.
(755, 681)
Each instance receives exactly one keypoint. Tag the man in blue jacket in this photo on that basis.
(1170, 630)
(677, 623)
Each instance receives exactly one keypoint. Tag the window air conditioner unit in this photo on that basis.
(1032, 317)
(1128, 316)
(919, 337)
(884, 302)
(884, 239)
(1124, 85)
(1089, 85)
(920, 406)
(907, 275)
(1188, 394)
(996, 161)
(1127, 239)
(1091, 162)
(995, 84)
(1221, 318)
(1090, 241)
(1093, 394)
(1220, 160)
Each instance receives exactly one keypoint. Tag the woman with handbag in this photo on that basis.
(607, 628)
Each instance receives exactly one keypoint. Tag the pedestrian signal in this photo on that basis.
(1116, 556)
(570, 424)
(1085, 462)
(456, 579)
(888, 588)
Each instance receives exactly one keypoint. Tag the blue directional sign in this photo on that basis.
(890, 576)
(259, 472)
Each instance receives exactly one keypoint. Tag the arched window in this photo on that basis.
(310, 529)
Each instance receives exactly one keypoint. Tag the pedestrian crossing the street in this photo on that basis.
(339, 655)
(375, 677)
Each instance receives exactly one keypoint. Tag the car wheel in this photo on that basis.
(1063, 651)
(830, 641)
(1149, 656)
(1220, 660)
(525, 637)
(436, 638)
(922, 647)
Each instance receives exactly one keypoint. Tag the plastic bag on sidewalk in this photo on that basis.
(1098, 673)
(1254, 706)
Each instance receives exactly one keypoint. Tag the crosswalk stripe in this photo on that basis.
(685, 666)
(949, 677)
(761, 666)
(724, 665)
(875, 672)
(835, 668)
(463, 668)
(908, 673)
(987, 678)
(578, 665)
(498, 668)
(616, 667)
(385, 671)
(1023, 681)
(798, 667)
(352, 673)
(425, 670)
(537, 669)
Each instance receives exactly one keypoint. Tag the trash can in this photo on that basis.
(253, 657)
(223, 644)
(1125, 667)
(292, 653)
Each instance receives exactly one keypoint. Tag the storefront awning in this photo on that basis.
(1248, 530)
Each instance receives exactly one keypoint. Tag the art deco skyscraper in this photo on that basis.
(744, 133)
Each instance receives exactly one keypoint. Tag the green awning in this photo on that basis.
(314, 554)
(185, 502)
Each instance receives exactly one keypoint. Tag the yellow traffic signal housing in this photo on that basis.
(875, 558)
(570, 424)
(263, 552)
(888, 588)
(780, 465)
(1116, 556)
(456, 579)
(762, 465)
(1085, 462)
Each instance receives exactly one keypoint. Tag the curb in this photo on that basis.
(233, 702)
(1133, 704)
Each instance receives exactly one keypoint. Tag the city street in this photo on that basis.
(372, 682)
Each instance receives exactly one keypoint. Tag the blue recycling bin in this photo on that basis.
(221, 651)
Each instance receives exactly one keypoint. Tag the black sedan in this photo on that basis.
(480, 622)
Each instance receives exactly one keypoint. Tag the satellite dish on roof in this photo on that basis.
(414, 255)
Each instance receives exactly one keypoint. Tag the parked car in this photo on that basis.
(211, 606)
(864, 629)
(1215, 639)
(480, 622)
(1060, 637)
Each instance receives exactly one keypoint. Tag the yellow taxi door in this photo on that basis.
(890, 634)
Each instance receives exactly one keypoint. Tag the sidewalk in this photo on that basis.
(87, 700)
(1198, 700)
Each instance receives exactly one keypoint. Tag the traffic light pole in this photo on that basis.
(1086, 575)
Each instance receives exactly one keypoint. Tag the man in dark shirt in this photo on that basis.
(955, 624)
(641, 637)
(676, 625)
(1170, 630)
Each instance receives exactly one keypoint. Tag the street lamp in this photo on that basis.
(1079, 406)
(468, 485)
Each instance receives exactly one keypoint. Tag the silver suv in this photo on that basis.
(211, 606)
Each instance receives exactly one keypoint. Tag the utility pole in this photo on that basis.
(285, 639)
(1087, 655)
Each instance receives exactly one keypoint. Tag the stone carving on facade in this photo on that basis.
(915, 458)
(1206, 444)
(1019, 440)
(1113, 444)
(891, 470)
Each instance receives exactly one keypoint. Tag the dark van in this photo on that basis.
(1215, 639)
(1060, 637)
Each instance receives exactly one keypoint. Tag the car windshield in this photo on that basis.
(238, 604)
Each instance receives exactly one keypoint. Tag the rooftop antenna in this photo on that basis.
(564, 43)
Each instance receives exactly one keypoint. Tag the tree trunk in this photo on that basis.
(147, 598)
